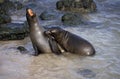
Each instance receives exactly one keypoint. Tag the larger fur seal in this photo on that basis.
(41, 43)
(71, 42)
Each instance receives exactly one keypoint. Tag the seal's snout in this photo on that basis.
(30, 12)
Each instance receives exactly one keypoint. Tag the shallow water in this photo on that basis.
(102, 30)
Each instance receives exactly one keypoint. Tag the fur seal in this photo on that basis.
(41, 42)
(71, 42)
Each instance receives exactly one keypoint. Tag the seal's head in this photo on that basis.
(30, 16)
(54, 31)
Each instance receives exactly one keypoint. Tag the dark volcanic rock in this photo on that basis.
(10, 31)
(4, 19)
(48, 15)
(5, 7)
(22, 49)
(18, 5)
(13, 31)
(4, 14)
(71, 19)
(82, 6)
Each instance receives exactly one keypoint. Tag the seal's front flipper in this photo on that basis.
(54, 46)
(37, 51)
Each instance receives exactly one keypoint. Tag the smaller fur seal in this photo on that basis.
(41, 42)
(71, 42)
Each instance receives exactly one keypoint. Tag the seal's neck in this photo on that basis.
(35, 25)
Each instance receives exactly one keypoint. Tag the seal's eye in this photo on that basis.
(30, 12)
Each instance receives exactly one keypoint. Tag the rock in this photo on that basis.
(4, 19)
(48, 15)
(18, 5)
(82, 6)
(87, 73)
(71, 19)
(5, 7)
(13, 31)
(22, 49)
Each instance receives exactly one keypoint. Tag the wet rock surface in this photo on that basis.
(4, 14)
(5, 7)
(82, 6)
(22, 49)
(18, 5)
(71, 19)
(48, 15)
(9, 5)
(4, 19)
(13, 31)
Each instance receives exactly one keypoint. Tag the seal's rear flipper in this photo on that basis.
(54, 46)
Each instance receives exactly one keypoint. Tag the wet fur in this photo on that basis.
(41, 42)
(71, 42)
